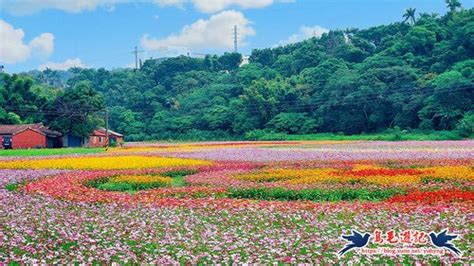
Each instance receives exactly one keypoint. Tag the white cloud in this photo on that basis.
(304, 33)
(26, 7)
(43, 45)
(75, 62)
(14, 50)
(211, 6)
(214, 33)
(177, 3)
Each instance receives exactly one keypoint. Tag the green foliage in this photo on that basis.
(313, 194)
(264, 134)
(293, 123)
(410, 15)
(387, 136)
(46, 152)
(106, 184)
(112, 186)
(229, 61)
(465, 126)
(452, 97)
(18, 102)
(414, 77)
(14, 186)
(178, 176)
(179, 173)
(453, 5)
(77, 110)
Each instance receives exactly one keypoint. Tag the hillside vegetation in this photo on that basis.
(414, 75)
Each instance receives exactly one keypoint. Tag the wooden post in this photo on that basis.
(106, 128)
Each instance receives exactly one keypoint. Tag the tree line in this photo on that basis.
(412, 74)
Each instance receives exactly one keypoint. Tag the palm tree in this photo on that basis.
(410, 15)
(453, 5)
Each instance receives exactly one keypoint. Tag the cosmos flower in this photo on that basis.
(52, 216)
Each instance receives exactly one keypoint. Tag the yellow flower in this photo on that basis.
(102, 163)
(359, 173)
(296, 176)
(147, 149)
(141, 179)
(459, 172)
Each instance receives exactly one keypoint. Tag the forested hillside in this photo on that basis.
(413, 74)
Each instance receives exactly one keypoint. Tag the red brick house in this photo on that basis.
(98, 138)
(28, 136)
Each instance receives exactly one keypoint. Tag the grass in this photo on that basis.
(46, 152)
(177, 180)
(14, 186)
(178, 176)
(386, 136)
(313, 194)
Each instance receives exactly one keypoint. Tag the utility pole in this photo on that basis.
(106, 128)
(136, 52)
(235, 38)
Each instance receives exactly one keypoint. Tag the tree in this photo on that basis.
(466, 125)
(410, 15)
(18, 102)
(357, 80)
(127, 122)
(420, 40)
(453, 5)
(452, 97)
(229, 61)
(266, 56)
(293, 123)
(78, 111)
(264, 98)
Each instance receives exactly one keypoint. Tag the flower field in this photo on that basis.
(235, 202)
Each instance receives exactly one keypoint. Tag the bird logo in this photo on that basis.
(356, 241)
(441, 240)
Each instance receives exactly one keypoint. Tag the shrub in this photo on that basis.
(465, 126)
(14, 186)
(141, 182)
(293, 123)
(179, 173)
(259, 134)
(313, 194)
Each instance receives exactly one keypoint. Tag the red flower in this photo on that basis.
(430, 197)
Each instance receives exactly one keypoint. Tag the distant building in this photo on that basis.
(71, 141)
(245, 60)
(98, 138)
(29, 136)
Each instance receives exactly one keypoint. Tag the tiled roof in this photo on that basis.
(14, 129)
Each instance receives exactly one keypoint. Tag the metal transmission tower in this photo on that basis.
(136, 52)
(235, 36)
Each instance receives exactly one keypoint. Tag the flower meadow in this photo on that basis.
(235, 202)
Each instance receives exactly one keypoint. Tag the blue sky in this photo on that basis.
(102, 33)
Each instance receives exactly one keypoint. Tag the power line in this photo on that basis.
(255, 107)
(374, 96)
(355, 99)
